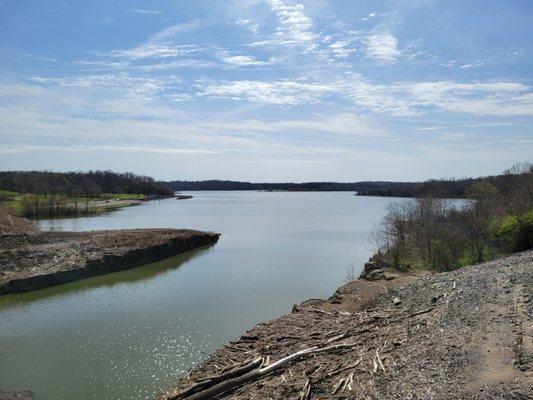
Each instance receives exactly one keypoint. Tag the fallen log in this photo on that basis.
(235, 382)
(211, 380)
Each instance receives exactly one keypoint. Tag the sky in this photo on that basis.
(273, 90)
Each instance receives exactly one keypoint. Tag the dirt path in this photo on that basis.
(465, 334)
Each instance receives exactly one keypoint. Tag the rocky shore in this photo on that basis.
(30, 259)
(465, 334)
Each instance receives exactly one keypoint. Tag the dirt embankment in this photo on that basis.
(30, 259)
(12, 225)
(465, 334)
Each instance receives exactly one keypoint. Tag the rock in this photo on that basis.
(396, 301)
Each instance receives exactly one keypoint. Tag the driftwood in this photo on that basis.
(306, 391)
(212, 380)
(212, 389)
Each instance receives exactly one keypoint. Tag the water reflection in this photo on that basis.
(123, 335)
(132, 275)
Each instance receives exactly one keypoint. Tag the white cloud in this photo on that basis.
(475, 64)
(166, 35)
(277, 92)
(340, 48)
(294, 27)
(341, 123)
(408, 99)
(142, 87)
(160, 44)
(243, 60)
(382, 47)
(400, 98)
(449, 64)
(154, 51)
(248, 24)
(39, 58)
(141, 11)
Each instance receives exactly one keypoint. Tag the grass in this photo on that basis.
(8, 193)
(13, 201)
(15, 206)
(124, 196)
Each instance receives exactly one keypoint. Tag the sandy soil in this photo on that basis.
(465, 334)
(102, 204)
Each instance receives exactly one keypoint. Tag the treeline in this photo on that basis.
(496, 218)
(443, 188)
(57, 194)
(87, 184)
(294, 187)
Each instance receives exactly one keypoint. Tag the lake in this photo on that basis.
(127, 334)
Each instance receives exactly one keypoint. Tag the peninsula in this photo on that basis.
(30, 259)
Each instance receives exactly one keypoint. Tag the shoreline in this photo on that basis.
(386, 339)
(32, 259)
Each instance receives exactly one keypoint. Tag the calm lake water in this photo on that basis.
(124, 335)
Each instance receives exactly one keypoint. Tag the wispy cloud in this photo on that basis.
(243, 60)
(400, 98)
(39, 58)
(131, 86)
(294, 26)
(342, 48)
(474, 64)
(142, 11)
(160, 44)
(154, 51)
(277, 92)
(382, 47)
(248, 24)
(9, 149)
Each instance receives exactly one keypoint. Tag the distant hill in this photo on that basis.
(293, 187)
(444, 188)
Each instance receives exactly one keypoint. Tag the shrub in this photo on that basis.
(516, 232)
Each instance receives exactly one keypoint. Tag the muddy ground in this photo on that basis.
(465, 334)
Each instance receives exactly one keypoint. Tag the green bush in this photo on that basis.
(515, 232)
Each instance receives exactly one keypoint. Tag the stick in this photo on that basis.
(237, 381)
(218, 378)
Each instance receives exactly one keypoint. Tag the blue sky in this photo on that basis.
(267, 90)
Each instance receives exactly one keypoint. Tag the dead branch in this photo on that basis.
(306, 391)
(233, 382)
(210, 380)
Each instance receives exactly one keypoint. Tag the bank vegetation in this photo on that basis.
(444, 234)
(55, 194)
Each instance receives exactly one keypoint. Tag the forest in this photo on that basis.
(293, 187)
(444, 188)
(496, 218)
(89, 184)
(58, 194)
